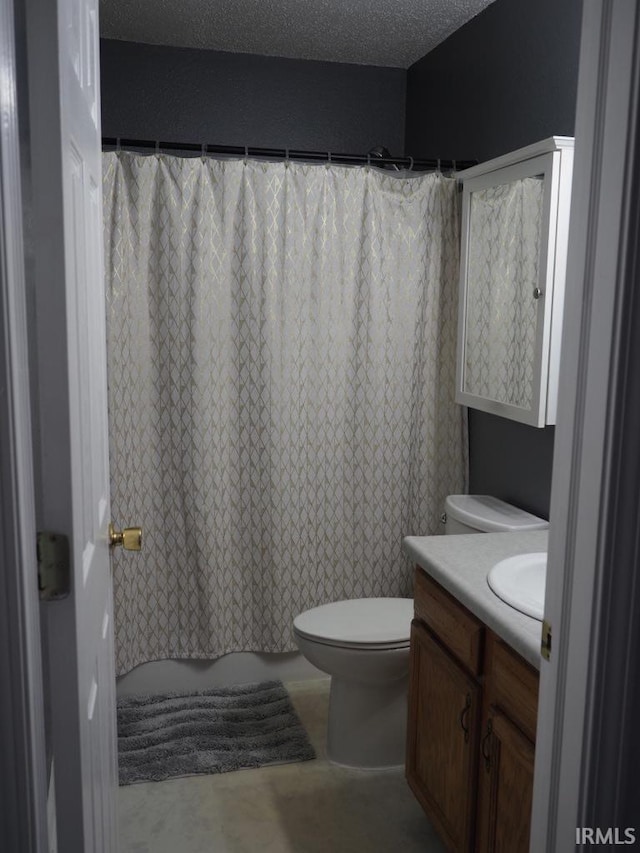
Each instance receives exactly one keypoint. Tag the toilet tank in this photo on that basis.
(485, 514)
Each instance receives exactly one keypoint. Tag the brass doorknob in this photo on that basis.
(130, 538)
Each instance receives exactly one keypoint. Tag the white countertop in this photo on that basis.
(460, 564)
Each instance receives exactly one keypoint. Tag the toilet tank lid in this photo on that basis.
(491, 515)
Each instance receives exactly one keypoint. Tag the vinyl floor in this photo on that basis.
(308, 807)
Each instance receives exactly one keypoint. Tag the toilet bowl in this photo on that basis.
(363, 644)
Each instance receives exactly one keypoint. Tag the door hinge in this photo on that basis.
(545, 648)
(54, 565)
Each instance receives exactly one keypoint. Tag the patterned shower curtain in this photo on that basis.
(281, 382)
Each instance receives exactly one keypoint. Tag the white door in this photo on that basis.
(65, 140)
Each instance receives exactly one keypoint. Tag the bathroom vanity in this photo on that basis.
(473, 693)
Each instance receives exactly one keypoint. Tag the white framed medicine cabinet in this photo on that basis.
(515, 228)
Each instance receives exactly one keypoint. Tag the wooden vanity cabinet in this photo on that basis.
(505, 775)
(505, 787)
(443, 738)
(471, 727)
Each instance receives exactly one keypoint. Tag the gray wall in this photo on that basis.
(185, 95)
(506, 79)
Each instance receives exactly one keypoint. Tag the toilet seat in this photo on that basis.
(370, 624)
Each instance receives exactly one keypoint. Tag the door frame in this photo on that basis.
(586, 735)
(589, 631)
(23, 787)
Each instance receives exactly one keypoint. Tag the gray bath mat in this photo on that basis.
(228, 728)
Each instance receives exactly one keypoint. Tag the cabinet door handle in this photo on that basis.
(484, 748)
(464, 718)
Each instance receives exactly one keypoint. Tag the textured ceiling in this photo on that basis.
(394, 33)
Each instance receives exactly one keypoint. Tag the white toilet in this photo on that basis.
(484, 514)
(363, 644)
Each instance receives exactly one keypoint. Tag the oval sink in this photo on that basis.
(520, 582)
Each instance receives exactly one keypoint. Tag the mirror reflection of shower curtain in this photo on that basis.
(282, 372)
(503, 269)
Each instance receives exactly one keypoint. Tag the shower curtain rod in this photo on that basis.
(416, 163)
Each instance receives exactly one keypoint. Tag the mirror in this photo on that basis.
(505, 230)
(514, 233)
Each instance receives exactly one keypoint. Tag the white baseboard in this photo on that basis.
(235, 668)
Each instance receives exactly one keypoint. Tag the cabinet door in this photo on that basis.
(442, 739)
(505, 787)
(515, 226)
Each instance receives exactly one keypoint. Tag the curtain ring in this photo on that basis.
(157, 148)
(368, 161)
(438, 166)
(286, 157)
(328, 159)
(204, 152)
(246, 153)
(411, 164)
(454, 165)
(118, 144)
